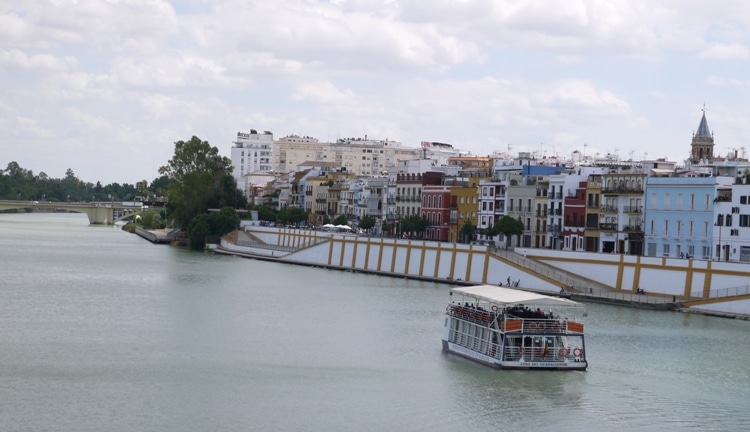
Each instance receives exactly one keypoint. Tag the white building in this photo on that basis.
(251, 153)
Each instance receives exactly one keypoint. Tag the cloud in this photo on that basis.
(726, 82)
(17, 60)
(723, 51)
(323, 93)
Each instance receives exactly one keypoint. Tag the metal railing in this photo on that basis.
(729, 292)
(620, 295)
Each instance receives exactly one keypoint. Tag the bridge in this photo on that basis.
(99, 213)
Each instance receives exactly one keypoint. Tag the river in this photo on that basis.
(101, 330)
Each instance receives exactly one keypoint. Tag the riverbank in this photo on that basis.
(617, 280)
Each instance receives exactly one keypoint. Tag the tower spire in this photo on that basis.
(702, 147)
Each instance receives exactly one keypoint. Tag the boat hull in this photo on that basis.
(512, 365)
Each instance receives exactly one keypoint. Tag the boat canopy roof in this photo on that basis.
(508, 296)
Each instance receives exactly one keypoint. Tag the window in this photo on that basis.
(690, 229)
(692, 201)
(679, 201)
(665, 251)
(652, 227)
(706, 251)
(653, 201)
(667, 199)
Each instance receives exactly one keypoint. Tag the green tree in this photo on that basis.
(507, 226)
(340, 220)
(200, 179)
(224, 221)
(385, 227)
(367, 222)
(467, 230)
(198, 230)
(265, 213)
(414, 224)
(142, 188)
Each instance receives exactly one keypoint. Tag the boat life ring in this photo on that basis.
(564, 352)
(494, 308)
(533, 326)
(556, 327)
(541, 326)
(578, 352)
(448, 308)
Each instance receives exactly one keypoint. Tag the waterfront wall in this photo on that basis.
(413, 258)
(694, 282)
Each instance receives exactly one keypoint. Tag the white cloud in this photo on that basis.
(17, 60)
(727, 82)
(722, 51)
(481, 74)
(323, 93)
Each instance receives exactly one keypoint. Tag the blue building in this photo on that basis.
(679, 215)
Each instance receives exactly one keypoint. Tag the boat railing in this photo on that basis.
(546, 325)
(572, 350)
(545, 352)
(514, 324)
(480, 345)
(472, 314)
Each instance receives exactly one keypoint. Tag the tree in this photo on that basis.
(414, 224)
(142, 188)
(507, 226)
(198, 230)
(224, 221)
(467, 230)
(200, 179)
(366, 223)
(340, 220)
(265, 213)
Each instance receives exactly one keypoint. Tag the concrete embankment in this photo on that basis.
(154, 236)
(603, 278)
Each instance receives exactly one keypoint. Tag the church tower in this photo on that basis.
(702, 147)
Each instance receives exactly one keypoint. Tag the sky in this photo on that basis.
(106, 88)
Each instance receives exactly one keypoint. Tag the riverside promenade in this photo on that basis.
(666, 284)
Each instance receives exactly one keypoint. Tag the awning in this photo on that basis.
(508, 296)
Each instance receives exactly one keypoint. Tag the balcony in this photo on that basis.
(633, 209)
(609, 209)
(632, 228)
(542, 214)
(622, 191)
(553, 228)
(608, 226)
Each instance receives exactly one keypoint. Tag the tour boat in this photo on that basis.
(512, 329)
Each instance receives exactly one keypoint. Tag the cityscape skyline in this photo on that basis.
(107, 88)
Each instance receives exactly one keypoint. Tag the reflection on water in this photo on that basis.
(106, 331)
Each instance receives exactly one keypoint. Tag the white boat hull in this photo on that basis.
(520, 364)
